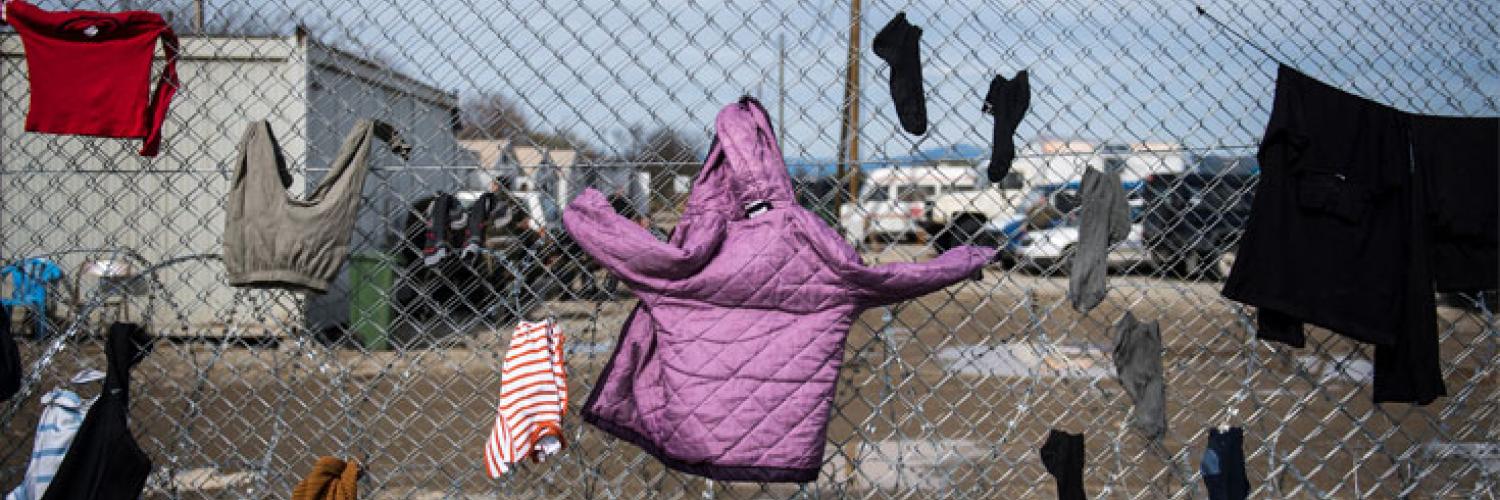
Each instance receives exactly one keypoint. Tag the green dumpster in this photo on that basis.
(372, 277)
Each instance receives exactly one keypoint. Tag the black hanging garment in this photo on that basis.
(1454, 244)
(1330, 237)
(1458, 162)
(442, 227)
(899, 44)
(104, 462)
(1350, 217)
(439, 220)
(1007, 101)
(10, 358)
(1063, 456)
(479, 217)
(1223, 465)
(1326, 242)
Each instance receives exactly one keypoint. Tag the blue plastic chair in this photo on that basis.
(29, 281)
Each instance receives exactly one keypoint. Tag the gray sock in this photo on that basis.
(1138, 363)
(1104, 221)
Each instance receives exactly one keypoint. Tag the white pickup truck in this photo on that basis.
(968, 216)
(893, 201)
(959, 216)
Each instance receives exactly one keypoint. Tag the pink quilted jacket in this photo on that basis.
(727, 366)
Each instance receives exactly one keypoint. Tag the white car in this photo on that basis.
(963, 215)
(1050, 250)
(893, 202)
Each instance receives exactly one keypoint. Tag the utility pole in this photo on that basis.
(198, 17)
(849, 132)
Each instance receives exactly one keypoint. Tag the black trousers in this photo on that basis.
(1361, 212)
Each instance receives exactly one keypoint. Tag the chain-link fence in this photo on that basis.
(398, 365)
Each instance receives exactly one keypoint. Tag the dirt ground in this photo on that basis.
(950, 395)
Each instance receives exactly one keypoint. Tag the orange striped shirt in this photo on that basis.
(533, 398)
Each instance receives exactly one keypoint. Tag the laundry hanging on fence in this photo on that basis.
(442, 224)
(726, 367)
(104, 461)
(533, 398)
(1347, 219)
(1137, 358)
(899, 43)
(90, 72)
(272, 240)
(439, 223)
(62, 414)
(1007, 101)
(330, 479)
(10, 358)
(1064, 456)
(1457, 162)
(1223, 465)
(1105, 221)
(481, 213)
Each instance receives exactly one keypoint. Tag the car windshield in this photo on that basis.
(1228, 165)
(1069, 200)
(877, 192)
(915, 193)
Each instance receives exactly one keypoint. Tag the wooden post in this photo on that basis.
(849, 132)
(198, 17)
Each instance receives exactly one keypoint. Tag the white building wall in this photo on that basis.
(159, 207)
(173, 204)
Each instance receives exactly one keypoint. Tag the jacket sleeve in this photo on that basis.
(891, 283)
(632, 252)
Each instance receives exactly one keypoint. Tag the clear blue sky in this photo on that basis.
(1118, 70)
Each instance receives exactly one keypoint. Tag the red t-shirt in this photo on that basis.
(91, 72)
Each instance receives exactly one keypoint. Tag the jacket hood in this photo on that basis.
(744, 164)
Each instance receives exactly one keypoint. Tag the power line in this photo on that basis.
(1203, 12)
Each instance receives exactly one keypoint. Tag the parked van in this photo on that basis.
(958, 217)
(893, 201)
(971, 217)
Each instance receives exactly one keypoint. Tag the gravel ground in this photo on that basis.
(947, 395)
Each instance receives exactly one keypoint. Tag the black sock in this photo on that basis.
(1223, 465)
(1007, 101)
(897, 43)
(1063, 456)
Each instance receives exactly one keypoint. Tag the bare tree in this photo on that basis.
(491, 115)
(665, 147)
(562, 139)
(665, 153)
